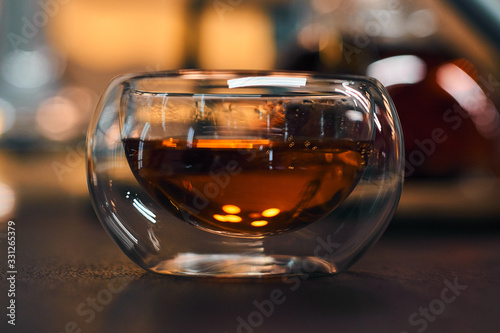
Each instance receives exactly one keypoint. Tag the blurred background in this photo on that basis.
(438, 59)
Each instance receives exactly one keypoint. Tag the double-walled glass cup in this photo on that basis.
(244, 174)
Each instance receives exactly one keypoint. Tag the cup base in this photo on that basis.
(243, 266)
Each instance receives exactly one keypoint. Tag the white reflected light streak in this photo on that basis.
(190, 137)
(124, 234)
(154, 240)
(144, 211)
(390, 117)
(141, 144)
(267, 81)
(145, 130)
(377, 122)
(357, 96)
(163, 106)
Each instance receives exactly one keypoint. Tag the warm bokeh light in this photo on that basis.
(231, 209)
(112, 35)
(57, 118)
(7, 201)
(238, 39)
(84, 98)
(65, 115)
(270, 212)
(259, 223)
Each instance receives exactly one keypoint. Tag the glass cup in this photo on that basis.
(244, 174)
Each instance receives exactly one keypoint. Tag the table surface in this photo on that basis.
(433, 276)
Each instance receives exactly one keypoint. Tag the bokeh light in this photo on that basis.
(401, 69)
(7, 116)
(31, 69)
(7, 201)
(65, 115)
(237, 39)
(112, 35)
(57, 118)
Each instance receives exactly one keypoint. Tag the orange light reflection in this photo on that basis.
(221, 218)
(233, 218)
(170, 143)
(259, 223)
(212, 143)
(231, 209)
(227, 218)
(270, 212)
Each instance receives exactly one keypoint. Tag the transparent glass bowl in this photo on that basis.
(244, 174)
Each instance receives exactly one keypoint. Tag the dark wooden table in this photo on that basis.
(434, 276)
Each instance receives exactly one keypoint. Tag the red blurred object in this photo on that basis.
(441, 136)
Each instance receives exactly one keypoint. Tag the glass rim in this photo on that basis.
(286, 80)
(249, 72)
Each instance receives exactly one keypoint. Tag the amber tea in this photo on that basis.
(248, 187)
